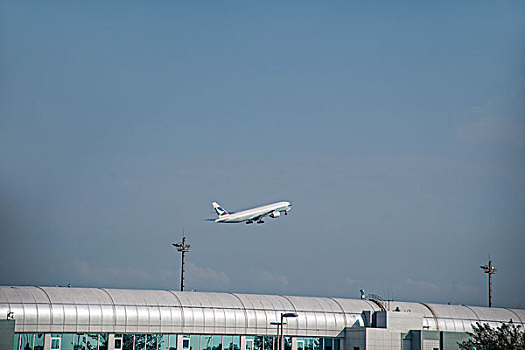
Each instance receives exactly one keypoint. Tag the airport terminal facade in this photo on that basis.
(61, 318)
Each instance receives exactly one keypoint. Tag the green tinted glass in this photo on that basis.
(92, 342)
(103, 340)
(151, 342)
(79, 342)
(173, 342)
(206, 342)
(217, 342)
(128, 341)
(162, 341)
(16, 343)
(140, 341)
(55, 343)
(67, 342)
(26, 341)
(227, 342)
(236, 342)
(39, 342)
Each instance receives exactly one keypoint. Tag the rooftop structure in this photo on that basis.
(62, 310)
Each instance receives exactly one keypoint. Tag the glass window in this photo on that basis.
(103, 341)
(92, 342)
(308, 344)
(206, 342)
(55, 342)
(336, 344)
(216, 342)
(318, 343)
(249, 343)
(162, 341)
(151, 342)
(140, 341)
(185, 342)
(236, 342)
(287, 343)
(26, 341)
(67, 342)
(268, 343)
(16, 344)
(195, 341)
(258, 343)
(79, 341)
(128, 341)
(173, 342)
(39, 342)
(328, 344)
(300, 344)
(227, 342)
(117, 342)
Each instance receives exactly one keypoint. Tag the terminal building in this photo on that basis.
(61, 318)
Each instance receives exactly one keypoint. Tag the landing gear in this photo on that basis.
(285, 212)
(249, 222)
(260, 222)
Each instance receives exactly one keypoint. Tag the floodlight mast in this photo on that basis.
(183, 248)
(490, 270)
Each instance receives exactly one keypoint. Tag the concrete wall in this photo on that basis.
(450, 340)
(7, 334)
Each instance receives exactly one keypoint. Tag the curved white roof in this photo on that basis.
(92, 310)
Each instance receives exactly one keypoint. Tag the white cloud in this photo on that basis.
(268, 277)
(500, 119)
(350, 281)
(493, 129)
(422, 285)
(207, 277)
(111, 276)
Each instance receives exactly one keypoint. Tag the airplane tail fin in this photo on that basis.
(219, 209)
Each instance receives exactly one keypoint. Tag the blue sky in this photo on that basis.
(396, 129)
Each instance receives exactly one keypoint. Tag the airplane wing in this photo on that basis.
(260, 216)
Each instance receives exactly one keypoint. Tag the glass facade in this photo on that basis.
(172, 342)
(318, 343)
(26, 341)
(206, 342)
(67, 342)
(128, 341)
(162, 341)
(39, 341)
(100, 341)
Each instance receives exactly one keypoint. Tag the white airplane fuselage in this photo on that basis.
(273, 210)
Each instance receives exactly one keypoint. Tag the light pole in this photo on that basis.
(283, 316)
(490, 270)
(273, 342)
(183, 248)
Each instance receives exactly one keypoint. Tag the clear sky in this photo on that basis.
(396, 129)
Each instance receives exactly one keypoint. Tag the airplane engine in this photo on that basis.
(275, 214)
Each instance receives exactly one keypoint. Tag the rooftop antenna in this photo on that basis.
(183, 248)
(490, 270)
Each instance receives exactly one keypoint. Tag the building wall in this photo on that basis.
(7, 332)
(380, 339)
(105, 341)
(451, 340)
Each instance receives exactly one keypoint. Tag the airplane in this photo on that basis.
(257, 214)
